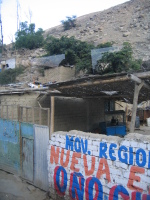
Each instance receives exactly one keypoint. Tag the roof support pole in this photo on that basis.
(52, 115)
(135, 102)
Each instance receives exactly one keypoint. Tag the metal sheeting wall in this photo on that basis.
(27, 135)
(41, 138)
(9, 146)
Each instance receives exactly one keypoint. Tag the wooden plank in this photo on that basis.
(18, 112)
(12, 112)
(52, 115)
(33, 115)
(48, 117)
(1, 111)
(26, 114)
(7, 112)
(40, 117)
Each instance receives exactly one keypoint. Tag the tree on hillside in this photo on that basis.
(27, 37)
(119, 61)
(69, 23)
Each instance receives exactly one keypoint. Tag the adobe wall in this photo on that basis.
(70, 113)
(29, 100)
(57, 74)
(91, 166)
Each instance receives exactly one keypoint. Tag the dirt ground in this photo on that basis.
(12, 187)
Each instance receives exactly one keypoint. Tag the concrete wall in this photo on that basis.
(58, 74)
(88, 166)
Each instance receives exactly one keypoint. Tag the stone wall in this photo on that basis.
(90, 166)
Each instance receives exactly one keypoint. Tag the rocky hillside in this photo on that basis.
(126, 22)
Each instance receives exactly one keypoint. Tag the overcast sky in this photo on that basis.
(46, 13)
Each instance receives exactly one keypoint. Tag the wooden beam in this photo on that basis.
(94, 82)
(52, 115)
(135, 102)
(138, 80)
(10, 91)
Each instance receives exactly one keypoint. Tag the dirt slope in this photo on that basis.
(126, 22)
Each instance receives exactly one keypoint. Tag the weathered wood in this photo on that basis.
(33, 115)
(18, 111)
(48, 117)
(40, 117)
(1, 111)
(135, 102)
(138, 80)
(52, 115)
(10, 91)
(7, 112)
(26, 114)
(95, 82)
(12, 112)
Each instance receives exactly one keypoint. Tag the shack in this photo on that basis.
(77, 104)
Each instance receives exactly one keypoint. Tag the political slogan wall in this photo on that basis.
(91, 166)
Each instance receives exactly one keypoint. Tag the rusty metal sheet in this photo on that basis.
(41, 138)
(27, 159)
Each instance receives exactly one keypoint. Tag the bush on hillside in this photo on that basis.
(69, 23)
(9, 75)
(76, 52)
(119, 61)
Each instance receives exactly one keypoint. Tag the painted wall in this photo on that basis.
(9, 146)
(90, 166)
(23, 148)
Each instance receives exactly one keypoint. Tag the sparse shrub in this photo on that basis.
(69, 23)
(9, 75)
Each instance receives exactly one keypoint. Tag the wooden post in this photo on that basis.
(18, 109)
(7, 111)
(12, 112)
(33, 115)
(48, 117)
(40, 117)
(26, 114)
(1, 111)
(52, 115)
(135, 102)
